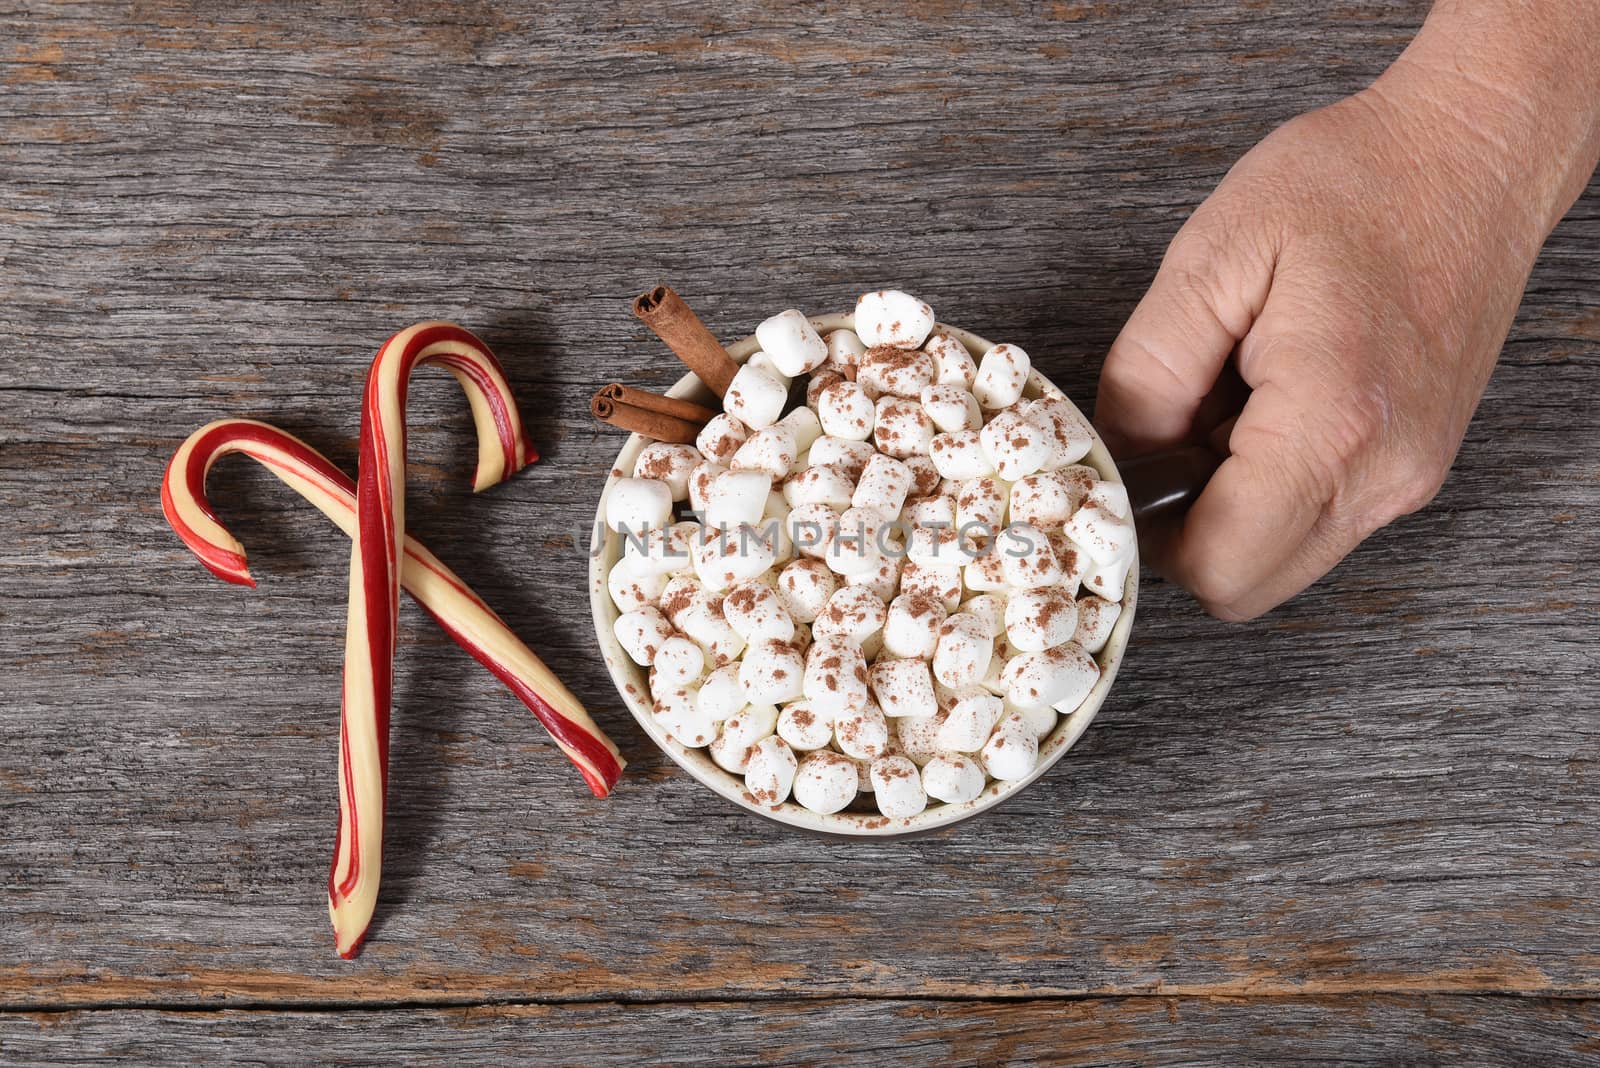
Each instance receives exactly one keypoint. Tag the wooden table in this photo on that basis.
(1364, 827)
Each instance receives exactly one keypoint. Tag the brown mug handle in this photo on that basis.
(1163, 484)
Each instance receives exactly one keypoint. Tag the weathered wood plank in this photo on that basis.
(1123, 1031)
(1389, 786)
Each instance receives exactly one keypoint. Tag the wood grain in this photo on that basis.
(1392, 786)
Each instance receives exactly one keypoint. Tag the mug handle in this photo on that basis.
(1163, 484)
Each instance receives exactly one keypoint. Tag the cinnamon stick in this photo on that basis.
(655, 402)
(658, 425)
(675, 323)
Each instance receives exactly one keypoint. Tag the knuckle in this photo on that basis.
(1416, 483)
(1216, 586)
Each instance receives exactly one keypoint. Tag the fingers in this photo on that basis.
(1327, 542)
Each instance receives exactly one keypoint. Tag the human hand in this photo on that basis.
(1329, 318)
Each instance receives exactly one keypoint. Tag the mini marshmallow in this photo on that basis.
(964, 651)
(701, 480)
(952, 778)
(1015, 446)
(753, 610)
(1104, 535)
(1067, 432)
(989, 607)
(918, 736)
(771, 772)
(699, 615)
(864, 768)
(1026, 559)
(853, 612)
(960, 455)
(1096, 617)
(938, 548)
(924, 476)
(835, 681)
(1012, 751)
(636, 505)
(631, 587)
(984, 574)
(678, 663)
(901, 428)
(892, 317)
(792, 342)
(678, 713)
(804, 588)
(942, 584)
(1108, 581)
(1111, 497)
(721, 437)
(642, 633)
(883, 485)
(858, 546)
(818, 381)
(936, 511)
(845, 349)
(1002, 374)
(863, 734)
(981, 507)
(903, 687)
(1041, 721)
(897, 372)
(952, 363)
(1038, 619)
(1060, 677)
(823, 484)
(1042, 500)
(951, 408)
(670, 464)
(803, 423)
(732, 748)
(846, 412)
(771, 451)
(725, 556)
(897, 786)
(721, 697)
(812, 528)
(755, 397)
(763, 362)
(850, 456)
(737, 497)
(771, 672)
(972, 717)
(825, 782)
(911, 628)
(663, 550)
(1074, 563)
(883, 581)
(803, 728)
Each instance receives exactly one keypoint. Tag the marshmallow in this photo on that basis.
(846, 412)
(845, 349)
(721, 697)
(804, 588)
(642, 633)
(864, 768)
(863, 734)
(918, 736)
(897, 786)
(763, 362)
(681, 593)
(771, 451)
(883, 485)
(802, 422)
(700, 482)
(678, 713)
(850, 456)
(663, 550)
(818, 381)
(924, 476)
(835, 680)
(792, 342)
(755, 613)
(883, 581)
(936, 511)
(812, 528)
(911, 628)
(1042, 500)
(962, 656)
(1096, 617)
(859, 544)
(897, 372)
(632, 587)
(960, 455)
(985, 573)
(903, 687)
(678, 663)
(755, 397)
(699, 615)
(981, 507)
(733, 747)
(892, 317)
(771, 772)
(737, 497)
(1015, 446)
(901, 428)
(824, 484)
(1111, 497)
(721, 437)
(951, 408)
(1104, 535)
(1012, 751)
(1038, 619)
(668, 463)
(972, 717)
(1002, 374)
(1026, 559)
(989, 607)
(771, 672)
(1041, 721)
(802, 638)
(723, 557)
(1067, 432)
(853, 612)
(803, 728)
(938, 547)
(1060, 677)
(952, 778)
(952, 363)
(826, 782)
(635, 505)
(1108, 581)
(1074, 563)
(942, 584)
